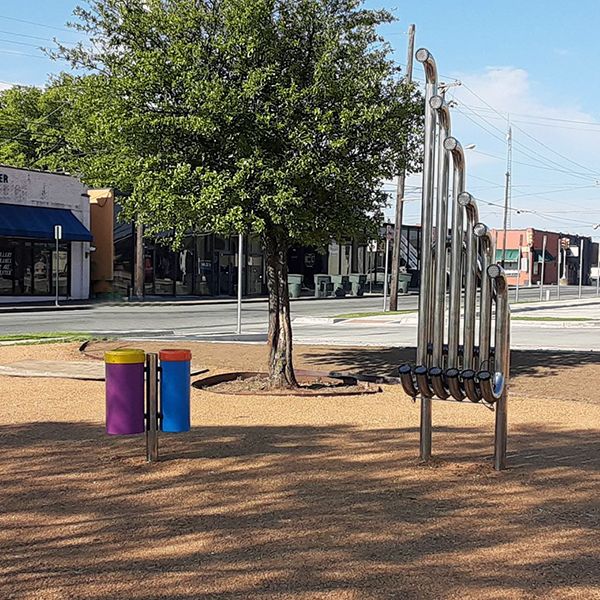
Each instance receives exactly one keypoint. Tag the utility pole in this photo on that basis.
(138, 276)
(400, 190)
(507, 191)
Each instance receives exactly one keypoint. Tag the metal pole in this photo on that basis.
(506, 193)
(558, 270)
(544, 240)
(385, 276)
(425, 290)
(598, 273)
(239, 284)
(580, 265)
(400, 191)
(518, 268)
(56, 272)
(138, 278)
(439, 266)
(152, 407)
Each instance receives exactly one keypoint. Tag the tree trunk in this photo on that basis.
(281, 367)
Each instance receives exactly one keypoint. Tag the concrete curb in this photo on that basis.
(8, 309)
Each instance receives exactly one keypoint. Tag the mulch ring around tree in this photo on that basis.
(310, 383)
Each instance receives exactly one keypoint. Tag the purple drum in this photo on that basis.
(125, 391)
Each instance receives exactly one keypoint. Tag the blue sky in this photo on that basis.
(532, 59)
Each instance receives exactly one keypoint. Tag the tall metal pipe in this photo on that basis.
(424, 56)
(543, 274)
(486, 243)
(439, 278)
(425, 306)
(493, 388)
(453, 146)
(468, 202)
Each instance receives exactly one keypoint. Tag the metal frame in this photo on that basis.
(459, 369)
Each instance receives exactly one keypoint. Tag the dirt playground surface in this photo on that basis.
(302, 498)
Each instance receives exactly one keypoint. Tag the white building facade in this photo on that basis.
(32, 203)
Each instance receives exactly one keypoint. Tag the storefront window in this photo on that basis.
(185, 268)
(7, 269)
(165, 270)
(123, 265)
(204, 265)
(30, 268)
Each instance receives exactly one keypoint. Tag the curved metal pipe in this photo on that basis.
(439, 276)
(437, 382)
(407, 381)
(486, 244)
(489, 383)
(423, 382)
(470, 385)
(453, 146)
(493, 387)
(425, 305)
(453, 382)
(426, 58)
(468, 203)
(425, 295)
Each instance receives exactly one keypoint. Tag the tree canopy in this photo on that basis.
(33, 126)
(278, 116)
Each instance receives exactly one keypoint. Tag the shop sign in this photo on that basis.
(6, 264)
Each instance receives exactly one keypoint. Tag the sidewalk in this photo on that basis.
(161, 301)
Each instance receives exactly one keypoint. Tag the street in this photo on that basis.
(217, 322)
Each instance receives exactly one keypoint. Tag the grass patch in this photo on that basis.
(46, 337)
(556, 319)
(359, 315)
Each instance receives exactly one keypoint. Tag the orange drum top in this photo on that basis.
(175, 355)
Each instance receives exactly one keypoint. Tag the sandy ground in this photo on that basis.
(300, 498)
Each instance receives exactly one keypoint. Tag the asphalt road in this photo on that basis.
(218, 322)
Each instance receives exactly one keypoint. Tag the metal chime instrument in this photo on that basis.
(463, 353)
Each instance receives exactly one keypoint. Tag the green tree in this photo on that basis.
(280, 117)
(34, 126)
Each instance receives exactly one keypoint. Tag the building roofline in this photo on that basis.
(4, 166)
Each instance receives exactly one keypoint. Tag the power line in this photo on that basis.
(44, 25)
(548, 160)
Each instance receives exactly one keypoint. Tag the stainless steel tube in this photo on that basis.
(425, 304)
(486, 243)
(492, 390)
(468, 203)
(470, 385)
(423, 335)
(407, 381)
(452, 145)
(436, 375)
(439, 276)
(151, 407)
(501, 425)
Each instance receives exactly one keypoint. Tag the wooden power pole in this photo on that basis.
(138, 276)
(400, 190)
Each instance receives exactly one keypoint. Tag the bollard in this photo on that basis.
(175, 384)
(152, 407)
(124, 391)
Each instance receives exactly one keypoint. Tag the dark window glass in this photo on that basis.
(204, 265)
(123, 265)
(7, 267)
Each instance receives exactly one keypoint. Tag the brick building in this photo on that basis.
(524, 256)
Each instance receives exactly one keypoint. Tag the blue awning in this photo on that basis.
(38, 223)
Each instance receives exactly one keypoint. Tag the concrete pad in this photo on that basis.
(54, 368)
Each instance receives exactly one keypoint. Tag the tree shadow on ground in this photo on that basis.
(302, 512)
(385, 361)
